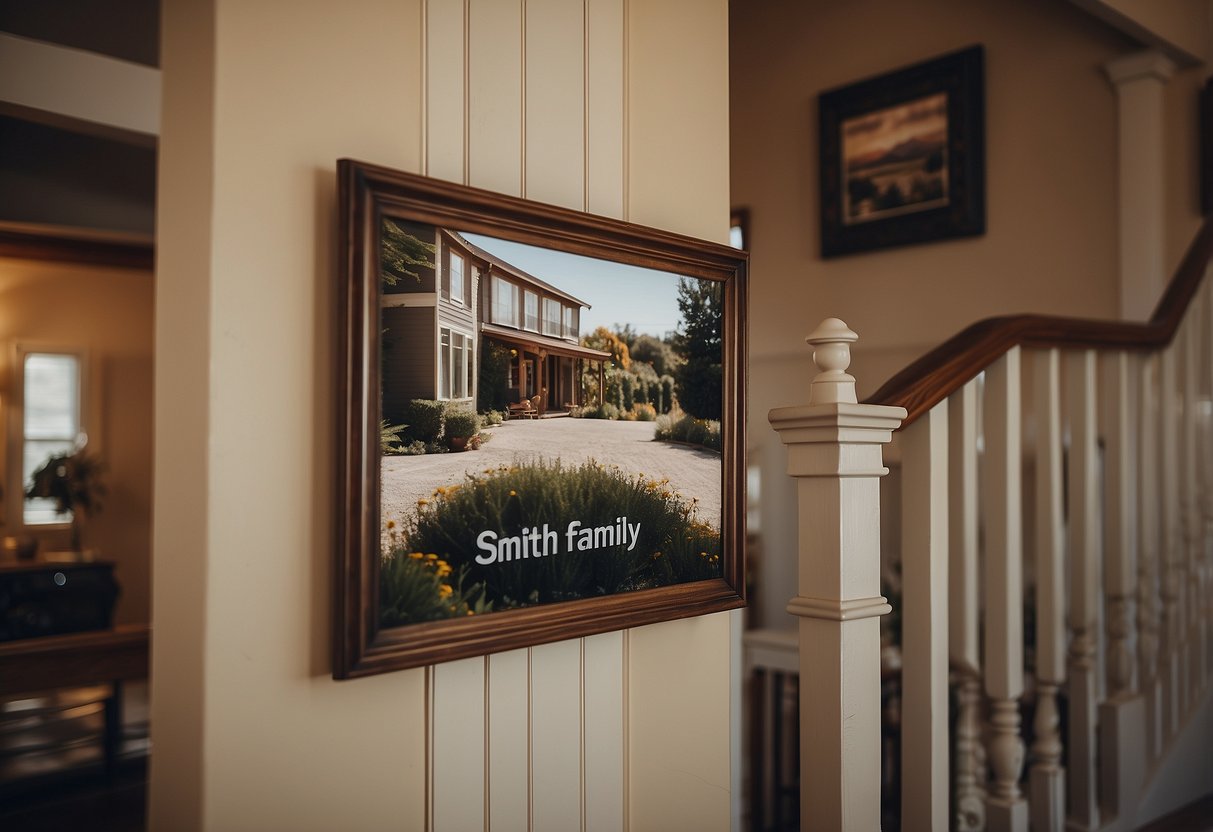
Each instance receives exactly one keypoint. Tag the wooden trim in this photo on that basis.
(945, 369)
(74, 246)
(367, 193)
(94, 657)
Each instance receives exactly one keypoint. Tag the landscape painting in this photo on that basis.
(541, 415)
(563, 440)
(895, 160)
(903, 156)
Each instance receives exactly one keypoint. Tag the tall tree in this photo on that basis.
(700, 341)
(603, 339)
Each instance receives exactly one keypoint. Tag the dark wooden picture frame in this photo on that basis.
(367, 195)
(903, 156)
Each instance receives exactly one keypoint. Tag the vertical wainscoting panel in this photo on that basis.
(555, 103)
(556, 736)
(509, 741)
(457, 740)
(604, 90)
(457, 712)
(603, 732)
(445, 89)
(495, 100)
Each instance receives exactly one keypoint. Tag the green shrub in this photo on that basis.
(389, 437)
(667, 394)
(492, 418)
(416, 587)
(492, 390)
(414, 448)
(680, 427)
(461, 423)
(644, 412)
(627, 388)
(672, 545)
(425, 419)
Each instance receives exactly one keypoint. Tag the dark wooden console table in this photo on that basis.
(98, 657)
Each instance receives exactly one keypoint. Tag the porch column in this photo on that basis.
(1139, 80)
(834, 452)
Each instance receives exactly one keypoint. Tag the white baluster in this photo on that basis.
(1048, 777)
(1186, 496)
(924, 565)
(1122, 719)
(1006, 809)
(963, 586)
(1193, 547)
(1170, 578)
(834, 452)
(1084, 589)
(1206, 432)
(1149, 551)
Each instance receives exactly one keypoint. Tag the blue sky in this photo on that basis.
(619, 294)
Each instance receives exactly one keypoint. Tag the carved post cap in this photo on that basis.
(831, 343)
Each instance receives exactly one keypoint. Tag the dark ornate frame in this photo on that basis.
(961, 76)
(367, 192)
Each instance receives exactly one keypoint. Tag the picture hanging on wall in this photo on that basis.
(903, 156)
(542, 423)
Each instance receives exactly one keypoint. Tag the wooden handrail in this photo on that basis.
(945, 369)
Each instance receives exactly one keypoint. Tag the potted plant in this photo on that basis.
(461, 425)
(73, 481)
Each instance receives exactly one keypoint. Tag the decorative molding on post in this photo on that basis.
(1139, 79)
(834, 452)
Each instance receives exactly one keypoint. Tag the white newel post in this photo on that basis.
(834, 452)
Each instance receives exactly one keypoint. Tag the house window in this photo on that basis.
(505, 302)
(551, 317)
(455, 366)
(455, 270)
(532, 311)
(51, 422)
(570, 322)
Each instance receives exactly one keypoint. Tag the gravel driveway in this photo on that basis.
(693, 472)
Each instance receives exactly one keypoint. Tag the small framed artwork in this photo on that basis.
(903, 156)
(542, 423)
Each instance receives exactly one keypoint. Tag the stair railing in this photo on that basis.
(1108, 428)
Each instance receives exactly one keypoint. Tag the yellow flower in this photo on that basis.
(416, 555)
(656, 555)
(471, 613)
(431, 557)
(513, 493)
(391, 524)
(444, 591)
(423, 502)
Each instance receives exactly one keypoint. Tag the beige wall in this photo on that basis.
(250, 730)
(106, 312)
(1051, 240)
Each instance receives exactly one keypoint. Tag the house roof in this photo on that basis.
(543, 342)
(512, 270)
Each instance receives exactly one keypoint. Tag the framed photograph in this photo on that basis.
(542, 423)
(903, 156)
